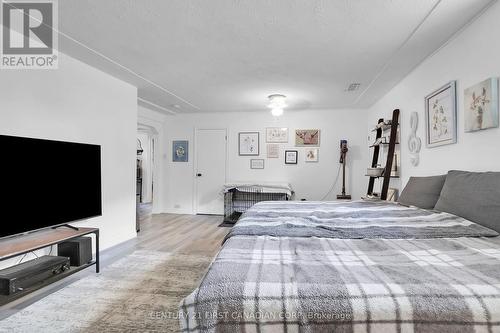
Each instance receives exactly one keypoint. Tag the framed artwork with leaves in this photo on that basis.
(441, 116)
(481, 106)
(248, 143)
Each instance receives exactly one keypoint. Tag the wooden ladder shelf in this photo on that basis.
(390, 155)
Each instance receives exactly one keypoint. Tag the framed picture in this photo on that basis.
(311, 154)
(441, 116)
(180, 150)
(257, 164)
(248, 143)
(273, 150)
(291, 156)
(277, 134)
(308, 137)
(481, 106)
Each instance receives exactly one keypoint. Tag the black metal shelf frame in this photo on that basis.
(73, 269)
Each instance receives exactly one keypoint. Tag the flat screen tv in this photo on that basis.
(47, 183)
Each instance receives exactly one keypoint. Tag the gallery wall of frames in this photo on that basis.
(304, 144)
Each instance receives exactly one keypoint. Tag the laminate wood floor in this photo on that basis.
(183, 234)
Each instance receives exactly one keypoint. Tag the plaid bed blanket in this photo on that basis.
(352, 220)
(325, 284)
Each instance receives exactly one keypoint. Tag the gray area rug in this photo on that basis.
(139, 293)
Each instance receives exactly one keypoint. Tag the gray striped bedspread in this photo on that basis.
(317, 279)
(352, 220)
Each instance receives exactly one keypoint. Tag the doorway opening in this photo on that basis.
(145, 175)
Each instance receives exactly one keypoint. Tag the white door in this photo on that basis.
(210, 170)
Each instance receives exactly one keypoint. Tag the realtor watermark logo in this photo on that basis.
(28, 35)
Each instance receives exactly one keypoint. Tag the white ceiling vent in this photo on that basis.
(353, 87)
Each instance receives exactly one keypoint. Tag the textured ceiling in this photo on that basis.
(228, 55)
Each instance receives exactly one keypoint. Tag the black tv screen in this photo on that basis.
(47, 183)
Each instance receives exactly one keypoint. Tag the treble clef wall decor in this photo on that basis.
(414, 143)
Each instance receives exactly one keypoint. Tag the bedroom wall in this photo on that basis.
(79, 103)
(310, 180)
(472, 56)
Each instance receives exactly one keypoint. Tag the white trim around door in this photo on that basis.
(196, 169)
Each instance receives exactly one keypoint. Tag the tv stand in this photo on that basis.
(66, 225)
(19, 245)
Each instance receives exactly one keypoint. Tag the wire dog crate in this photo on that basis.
(239, 200)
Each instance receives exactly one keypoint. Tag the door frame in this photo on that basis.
(155, 136)
(195, 162)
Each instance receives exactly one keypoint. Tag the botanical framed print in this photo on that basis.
(481, 106)
(441, 116)
(307, 137)
(180, 150)
(257, 164)
(277, 134)
(291, 156)
(273, 150)
(311, 154)
(248, 143)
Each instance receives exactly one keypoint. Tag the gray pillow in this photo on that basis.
(422, 192)
(472, 195)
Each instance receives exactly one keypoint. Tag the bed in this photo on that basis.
(349, 267)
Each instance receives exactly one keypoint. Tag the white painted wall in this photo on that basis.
(469, 58)
(310, 180)
(79, 103)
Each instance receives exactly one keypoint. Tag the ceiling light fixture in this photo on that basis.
(277, 112)
(277, 102)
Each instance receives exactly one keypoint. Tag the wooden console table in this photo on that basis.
(20, 245)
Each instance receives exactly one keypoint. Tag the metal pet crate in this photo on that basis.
(239, 199)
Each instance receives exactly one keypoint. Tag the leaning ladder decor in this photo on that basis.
(393, 127)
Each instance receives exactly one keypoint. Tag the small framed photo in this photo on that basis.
(307, 137)
(441, 116)
(311, 154)
(248, 143)
(273, 150)
(291, 156)
(277, 134)
(257, 164)
(180, 150)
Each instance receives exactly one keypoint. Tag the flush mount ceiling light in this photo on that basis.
(277, 104)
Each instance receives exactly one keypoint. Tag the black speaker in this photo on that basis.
(79, 250)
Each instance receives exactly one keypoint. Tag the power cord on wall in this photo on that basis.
(22, 258)
(334, 183)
